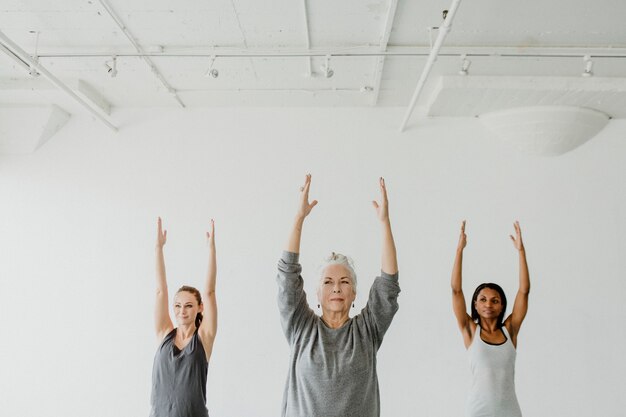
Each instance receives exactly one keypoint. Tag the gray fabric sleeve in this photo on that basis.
(382, 304)
(292, 305)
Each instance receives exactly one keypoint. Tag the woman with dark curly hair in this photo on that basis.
(490, 339)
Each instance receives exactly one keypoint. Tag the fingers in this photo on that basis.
(313, 204)
(307, 184)
(463, 226)
(211, 233)
(375, 204)
(383, 189)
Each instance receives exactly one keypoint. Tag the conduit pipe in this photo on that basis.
(139, 50)
(432, 57)
(23, 55)
(308, 38)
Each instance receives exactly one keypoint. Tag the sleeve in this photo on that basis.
(382, 305)
(292, 305)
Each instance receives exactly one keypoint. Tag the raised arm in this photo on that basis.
(163, 323)
(304, 208)
(208, 327)
(389, 258)
(464, 321)
(520, 307)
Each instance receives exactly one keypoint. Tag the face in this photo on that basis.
(488, 303)
(336, 293)
(186, 308)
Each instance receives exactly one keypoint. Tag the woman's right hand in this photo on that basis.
(305, 207)
(462, 238)
(161, 235)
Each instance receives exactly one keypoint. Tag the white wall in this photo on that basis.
(77, 228)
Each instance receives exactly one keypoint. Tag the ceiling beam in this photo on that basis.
(140, 51)
(384, 41)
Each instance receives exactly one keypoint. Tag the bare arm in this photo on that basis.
(304, 208)
(389, 256)
(464, 321)
(208, 327)
(163, 323)
(520, 307)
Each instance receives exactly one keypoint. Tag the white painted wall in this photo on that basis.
(77, 222)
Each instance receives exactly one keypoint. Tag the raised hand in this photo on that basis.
(382, 209)
(305, 207)
(210, 236)
(161, 235)
(517, 240)
(462, 238)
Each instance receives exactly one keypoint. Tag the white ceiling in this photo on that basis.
(531, 38)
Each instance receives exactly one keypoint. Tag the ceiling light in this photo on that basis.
(545, 130)
(326, 70)
(111, 66)
(212, 72)
(588, 72)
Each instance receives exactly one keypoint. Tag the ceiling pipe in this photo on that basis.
(308, 38)
(443, 32)
(24, 56)
(139, 49)
(360, 51)
(19, 61)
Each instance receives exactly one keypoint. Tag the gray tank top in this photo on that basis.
(179, 379)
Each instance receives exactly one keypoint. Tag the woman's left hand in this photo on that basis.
(517, 240)
(210, 236)
(382, 209)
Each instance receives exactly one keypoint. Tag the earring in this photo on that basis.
(352, 305)
(318, 306)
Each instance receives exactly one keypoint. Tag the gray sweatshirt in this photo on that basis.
(332, 372)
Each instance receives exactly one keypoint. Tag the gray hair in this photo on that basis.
(345, 261)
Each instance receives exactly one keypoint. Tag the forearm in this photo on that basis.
(293, 245)
(211, 272)
(161, 280)
(456, 281)
(389, 255)
(524, 276)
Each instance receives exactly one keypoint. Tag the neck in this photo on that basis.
(335, 319)
(489, 325)
(186, 331)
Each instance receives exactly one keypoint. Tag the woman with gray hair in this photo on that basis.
(332, 365)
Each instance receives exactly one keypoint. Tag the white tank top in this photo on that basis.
(492, 392)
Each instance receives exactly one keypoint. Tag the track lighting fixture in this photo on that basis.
(111, 66)
(465, 64)
(588, 72)
(212, 72)
(326, 70)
